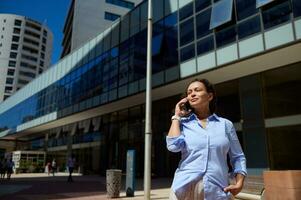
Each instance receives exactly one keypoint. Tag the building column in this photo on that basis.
(254, 136)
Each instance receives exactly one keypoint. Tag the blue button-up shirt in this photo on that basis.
(204, 155)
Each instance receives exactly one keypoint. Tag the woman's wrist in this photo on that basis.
(176, 117)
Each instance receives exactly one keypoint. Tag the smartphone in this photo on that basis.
(187, 107)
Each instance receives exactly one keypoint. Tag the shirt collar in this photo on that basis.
(212, 117)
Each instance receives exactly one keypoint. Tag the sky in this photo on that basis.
(51, 12)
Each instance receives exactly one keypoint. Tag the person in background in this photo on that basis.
(48, 168)
(204, 140)
(9, 168)
(53, 167)
(2, 168)
(70, 165)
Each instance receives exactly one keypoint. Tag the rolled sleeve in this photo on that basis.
(175, 144)
(237, 157)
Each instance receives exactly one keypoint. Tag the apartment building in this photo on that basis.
(25, 52)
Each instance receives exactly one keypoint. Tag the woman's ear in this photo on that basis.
(210, 94)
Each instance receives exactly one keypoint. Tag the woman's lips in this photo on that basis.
(193, 100)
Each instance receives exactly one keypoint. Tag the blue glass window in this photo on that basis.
(124, 30)
(205, 45)
(226, 36)
(260, 3)
(186, 11)
(122, 3)
(186, 32)
(170, 47)
(245, 8)
(135, 21)
(201, 4)
(171, 20)
(221, 13)
(249, 27)
(202, 23)
(157, 44)
(187, 52)
(296, 8)
(277, 14)
(111, 16)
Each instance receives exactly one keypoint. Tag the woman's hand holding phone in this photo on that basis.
(182, 108)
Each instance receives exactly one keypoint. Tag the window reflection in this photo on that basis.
(205, 45)
(277, 14)
(245, 8)
(186, 11)
(221, 13)
(260, 3)
(228, 100)
(226, 36)
(187, 52)
(201, 4)
(248, 27)
(296, 8)
(186, 32)
(284, 147)
(202, 23)
(280, 88)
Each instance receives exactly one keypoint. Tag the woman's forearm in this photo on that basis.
(240, 179)
(174, 129)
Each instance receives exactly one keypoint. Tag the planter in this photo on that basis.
(282, 185)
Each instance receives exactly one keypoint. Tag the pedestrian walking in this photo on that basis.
(205, 140)
(70, 165)
(53, 167)
(2, 168)
(9, 168)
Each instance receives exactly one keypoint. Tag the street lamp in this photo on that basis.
(148, 108)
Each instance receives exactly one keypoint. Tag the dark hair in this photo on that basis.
(210, 89)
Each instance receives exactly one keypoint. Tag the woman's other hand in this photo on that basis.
(234, 189)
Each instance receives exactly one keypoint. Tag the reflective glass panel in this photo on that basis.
(171, 20)
(135, 25)
(245, 8)
(226, 36)
(170, 47)
(280, 91)
(277, 14)
(284, 147)
(186, 32)
(124, 34)
(187, 52)
(296, 8)
(248, 27)
(158, 11)
(186, 11)
(202, 23)
(221, 13)
(260, 3)
(201, 4)
(205, 45)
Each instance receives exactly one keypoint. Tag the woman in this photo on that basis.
(204, 139)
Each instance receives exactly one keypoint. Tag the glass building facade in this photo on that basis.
(91, 102)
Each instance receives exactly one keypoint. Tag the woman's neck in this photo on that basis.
(202, 113)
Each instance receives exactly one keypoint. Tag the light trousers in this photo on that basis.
(194, 191)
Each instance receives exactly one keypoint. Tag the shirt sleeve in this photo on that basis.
(175, 144)
(237, 157)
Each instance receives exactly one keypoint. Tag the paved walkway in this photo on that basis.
(42, 186)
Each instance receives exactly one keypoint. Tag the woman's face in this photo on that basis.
(198, 96)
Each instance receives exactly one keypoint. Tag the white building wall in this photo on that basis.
(89, 21)
(7, 26)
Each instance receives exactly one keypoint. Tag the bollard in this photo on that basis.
(113, 177)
